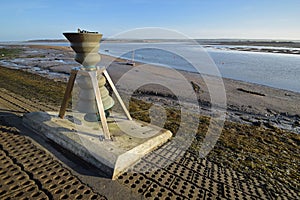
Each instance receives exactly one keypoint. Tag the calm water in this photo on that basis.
(271, 69)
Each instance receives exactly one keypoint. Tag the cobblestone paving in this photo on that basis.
(27, 172)
(167, 173)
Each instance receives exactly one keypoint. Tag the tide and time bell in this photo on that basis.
(107, 139)
(93, 98)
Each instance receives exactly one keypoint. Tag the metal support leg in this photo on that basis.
(93, 75)
(117, 94)
(68, 92)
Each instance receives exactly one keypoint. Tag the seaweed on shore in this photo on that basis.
(250, 92)
(32, 86)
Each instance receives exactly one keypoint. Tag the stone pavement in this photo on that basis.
(31, 169)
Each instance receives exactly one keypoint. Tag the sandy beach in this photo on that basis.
(261, 122)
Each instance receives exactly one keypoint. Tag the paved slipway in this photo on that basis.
(31, 167)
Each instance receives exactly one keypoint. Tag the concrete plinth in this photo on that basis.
(131, 140)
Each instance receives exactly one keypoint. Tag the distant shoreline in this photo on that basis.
(282, 47)
(238, 42)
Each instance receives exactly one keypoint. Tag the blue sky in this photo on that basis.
(247, 19)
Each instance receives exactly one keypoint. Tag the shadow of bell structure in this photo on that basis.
(114, 143)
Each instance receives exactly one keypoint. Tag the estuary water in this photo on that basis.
(272, 69)
(277, 70)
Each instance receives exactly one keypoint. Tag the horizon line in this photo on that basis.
(178, 39)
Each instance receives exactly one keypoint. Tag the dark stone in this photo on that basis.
(296, 123)
(270, 124)
(257, 123)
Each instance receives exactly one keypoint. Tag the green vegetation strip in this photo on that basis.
(32, 86)
(9, 53)
(272, 155)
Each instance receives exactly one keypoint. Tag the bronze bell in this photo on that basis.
(86, 46)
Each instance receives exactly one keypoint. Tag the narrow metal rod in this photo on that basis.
(117, 94)
(93, 75)
(68, 92)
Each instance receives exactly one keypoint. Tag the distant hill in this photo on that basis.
(48, 40)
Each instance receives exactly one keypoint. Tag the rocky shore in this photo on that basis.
(260, 136)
